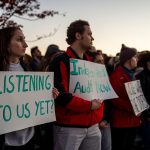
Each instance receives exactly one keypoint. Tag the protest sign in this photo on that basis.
(136, 96)
(25, 100)
(90, 80)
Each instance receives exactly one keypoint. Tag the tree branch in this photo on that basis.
(45, 36)
(20, 17)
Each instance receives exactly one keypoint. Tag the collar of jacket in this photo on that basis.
(131, 73)
(71, 53)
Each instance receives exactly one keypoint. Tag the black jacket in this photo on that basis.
(144, 78)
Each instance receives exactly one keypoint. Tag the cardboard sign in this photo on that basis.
(136, 96)
(90, 80)
(25, 100)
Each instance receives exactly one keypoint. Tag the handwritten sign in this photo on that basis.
(25, 100)
(136, 96)
(90, 81)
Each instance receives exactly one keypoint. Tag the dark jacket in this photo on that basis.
(35, 64)
(144, 78)
(71, 110)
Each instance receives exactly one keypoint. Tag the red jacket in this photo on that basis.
(71, 110)
(122, 112)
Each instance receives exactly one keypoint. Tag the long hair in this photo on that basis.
(6, 35)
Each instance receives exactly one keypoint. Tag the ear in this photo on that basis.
(78, 36)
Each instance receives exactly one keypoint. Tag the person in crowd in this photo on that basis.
(77, 119)
(98, 57)
(26, 59)
(12, 50)
(140, 62)
(124, 123)
(144, 77)
(35, 62)
(105, 123)
(51, 52)
(108, 64)
(45, 131)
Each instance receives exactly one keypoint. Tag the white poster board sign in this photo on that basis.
(25, 100)
(136, 96)
(90, 80)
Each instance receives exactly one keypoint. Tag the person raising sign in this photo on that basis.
(12, 50)
(77, 119)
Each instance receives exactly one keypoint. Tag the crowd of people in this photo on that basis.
(80, 124)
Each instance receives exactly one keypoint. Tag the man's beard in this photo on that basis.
(85, 48)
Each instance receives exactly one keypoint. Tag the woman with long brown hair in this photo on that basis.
(12, 49)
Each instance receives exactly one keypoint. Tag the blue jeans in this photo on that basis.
(106, 138)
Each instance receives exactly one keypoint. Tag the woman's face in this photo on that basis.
(17, 44)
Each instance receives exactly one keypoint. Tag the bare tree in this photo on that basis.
(23, 9)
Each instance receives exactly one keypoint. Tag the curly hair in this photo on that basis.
(76, 26)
